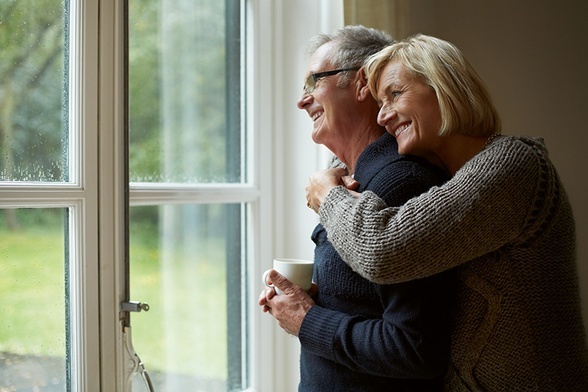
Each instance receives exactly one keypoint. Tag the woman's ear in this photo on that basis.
(363, 90)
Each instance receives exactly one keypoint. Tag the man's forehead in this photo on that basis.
(321, 57)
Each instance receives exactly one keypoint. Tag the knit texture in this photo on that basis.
(504, 223)
(361, 336)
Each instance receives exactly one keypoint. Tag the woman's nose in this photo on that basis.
(304, 100)
(385, 115)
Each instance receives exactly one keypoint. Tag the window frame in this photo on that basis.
(243, 192)
(115, 190)
(79, 196)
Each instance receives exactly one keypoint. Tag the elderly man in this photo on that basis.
(356, 335)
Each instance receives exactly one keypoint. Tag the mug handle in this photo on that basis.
(264, 279)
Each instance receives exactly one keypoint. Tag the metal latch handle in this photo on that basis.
(134, 306)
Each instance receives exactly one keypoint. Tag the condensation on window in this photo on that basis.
(34, 135)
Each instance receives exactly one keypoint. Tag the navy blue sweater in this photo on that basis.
(361, 336)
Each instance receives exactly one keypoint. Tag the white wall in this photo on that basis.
(294, 154)
(534, 57)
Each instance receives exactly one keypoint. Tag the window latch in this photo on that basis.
(134, 306)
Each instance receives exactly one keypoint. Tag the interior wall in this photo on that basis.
(388, 15)
(534, 58)
(295, 155)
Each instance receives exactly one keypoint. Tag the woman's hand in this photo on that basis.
(321, 183)
(289, 308)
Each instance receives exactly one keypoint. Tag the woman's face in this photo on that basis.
(409, 110)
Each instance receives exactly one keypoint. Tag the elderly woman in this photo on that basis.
(503, 222)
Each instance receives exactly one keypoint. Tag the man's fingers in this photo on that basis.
(279, 280)
(350, 182)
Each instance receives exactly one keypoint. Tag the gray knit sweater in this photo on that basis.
(504, 221)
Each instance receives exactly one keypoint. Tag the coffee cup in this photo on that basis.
(297, 271)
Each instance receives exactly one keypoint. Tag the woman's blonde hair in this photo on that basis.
(464, 101)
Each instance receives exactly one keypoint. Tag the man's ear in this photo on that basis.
(363, 91)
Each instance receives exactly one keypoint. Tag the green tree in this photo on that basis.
(177, 69)
(32, 132)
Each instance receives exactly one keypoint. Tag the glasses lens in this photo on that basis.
(309, 84)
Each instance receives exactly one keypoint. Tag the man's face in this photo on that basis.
(330, 106)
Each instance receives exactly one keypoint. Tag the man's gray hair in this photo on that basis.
(355, 44)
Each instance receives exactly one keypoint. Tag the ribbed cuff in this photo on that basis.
(318, 331)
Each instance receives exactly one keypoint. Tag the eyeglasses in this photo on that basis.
(310, 82)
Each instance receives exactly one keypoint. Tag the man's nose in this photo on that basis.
(304, 100)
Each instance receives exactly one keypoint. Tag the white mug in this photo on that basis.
(296, 271)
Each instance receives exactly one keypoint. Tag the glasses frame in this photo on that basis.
(309, 88)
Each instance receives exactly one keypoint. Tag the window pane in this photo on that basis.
(184, 68)
(32, 291)
(186, 263)
(33, 136)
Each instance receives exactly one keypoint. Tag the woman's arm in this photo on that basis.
(484, 207)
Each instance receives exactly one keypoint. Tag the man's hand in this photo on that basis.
(289, 308)
(321, 183)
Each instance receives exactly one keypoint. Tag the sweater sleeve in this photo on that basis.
(486, 205)
(410, 340)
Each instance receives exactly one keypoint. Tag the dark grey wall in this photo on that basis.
(534, 57)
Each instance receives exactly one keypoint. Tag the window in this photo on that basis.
(189, 192)
(33, 279)
(190, 197)
(47, 202)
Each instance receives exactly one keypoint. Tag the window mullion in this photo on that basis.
(153, 195)
(108, 96)
(83, 269)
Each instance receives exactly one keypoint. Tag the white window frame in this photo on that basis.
(113, 181)
(80, 196)
(108, 16)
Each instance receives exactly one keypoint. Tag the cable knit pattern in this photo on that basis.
(361, 336)
(505, 223)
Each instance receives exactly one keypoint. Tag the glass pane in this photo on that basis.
(186, 263)
(33, 116)
(32, 290)
(185, 94)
